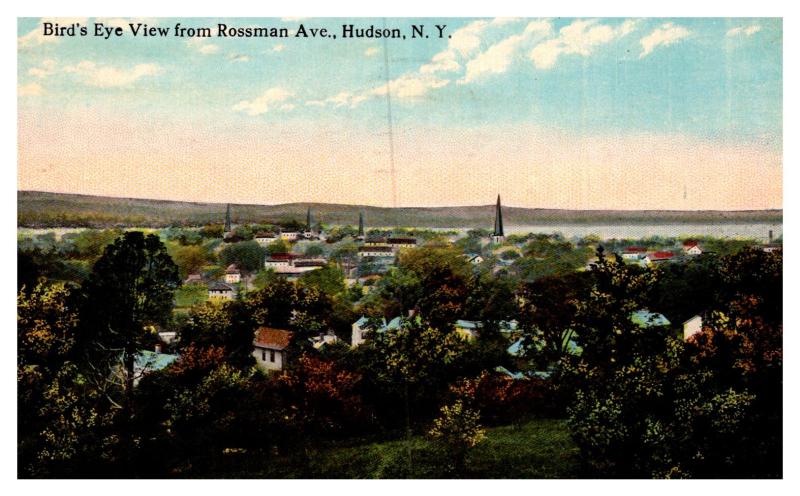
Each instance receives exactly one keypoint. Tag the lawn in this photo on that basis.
(541, 448)
(190, 294)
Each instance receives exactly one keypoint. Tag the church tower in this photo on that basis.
(498, 236)
(308, 220)
(228, 219)
(361, 224)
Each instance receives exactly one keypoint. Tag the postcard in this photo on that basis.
(400, 248)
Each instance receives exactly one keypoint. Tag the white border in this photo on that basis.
(407, 8)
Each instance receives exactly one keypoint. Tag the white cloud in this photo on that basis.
(202, 46)
(581, 37)
(409, 86)
(209, 49)
(47, 68)
(31, 89)
(265, 102)
(106, 76)
(665, 35)
(371, 51)
(743, 30)
(278, 48)
(238, 57)
(464, 43)
(287, 106)
(498, 57)
(36, 36)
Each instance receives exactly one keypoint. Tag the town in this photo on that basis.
(517, 316)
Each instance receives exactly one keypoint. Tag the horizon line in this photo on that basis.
(492, 205)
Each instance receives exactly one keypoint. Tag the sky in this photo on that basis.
(550, 113)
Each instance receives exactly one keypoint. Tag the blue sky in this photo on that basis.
(718, 81)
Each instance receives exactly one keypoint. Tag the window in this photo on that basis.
(271, 355)
(263, 355)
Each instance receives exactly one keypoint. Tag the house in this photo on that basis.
(220, 291)
(507, 373)
(289, 235)
(468, 328)
(658, 257)
(359, 331)
(149, 361)
(401, 242)
(375, 251)
(193, 278)
(323, 340)
(692, 248)
(269, 348)
(277, 260)
(474, 258)
(264, 238)
(633, 252)
(361, 328)
(516, 349)
(692, 326)
(647, 319)
(772, 248)
(232, 274)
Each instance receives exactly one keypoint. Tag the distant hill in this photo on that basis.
(40, 209)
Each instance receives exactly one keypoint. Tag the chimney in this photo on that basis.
(158, 349)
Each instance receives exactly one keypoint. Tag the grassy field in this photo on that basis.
(191, 294)
(541, 448)
(41, 209)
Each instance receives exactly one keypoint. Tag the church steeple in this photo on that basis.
(361, 224)
(308, 220)
(228, 218)
(498, 236)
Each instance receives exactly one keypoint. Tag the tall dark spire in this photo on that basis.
(308, 220)
(498, 220)
(228, 218)
(361, 223)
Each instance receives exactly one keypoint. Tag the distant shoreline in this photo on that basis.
(52, 210)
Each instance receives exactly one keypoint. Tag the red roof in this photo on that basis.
(689, 243)
(276, 339)
(661, 255)
(635, 249)
(283, 256)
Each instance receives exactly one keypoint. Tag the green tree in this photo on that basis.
(129, 291)
(247, 255)
(458, 429)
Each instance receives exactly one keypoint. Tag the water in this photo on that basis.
(752, 230)
(748, 230)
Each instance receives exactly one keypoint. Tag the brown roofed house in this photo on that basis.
(269, 347)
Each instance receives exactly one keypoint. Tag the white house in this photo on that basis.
(633, 252)
(278, 260)
(323, 339)
(269, 348)
(375, 251)
(474, 259)
(290, 235)
(692, 326)
(232, 274)
(359, 331)
(692, 248)
(220, 291)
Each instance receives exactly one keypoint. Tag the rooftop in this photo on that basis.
(269, 337)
